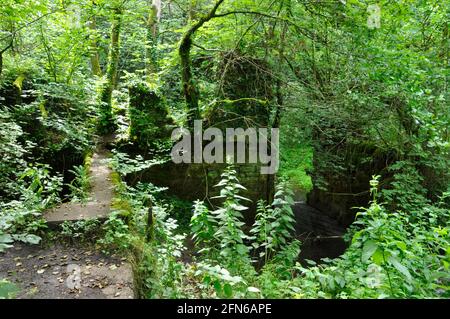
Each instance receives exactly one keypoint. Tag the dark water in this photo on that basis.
(320, 235)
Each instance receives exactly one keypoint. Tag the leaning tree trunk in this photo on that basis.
(190, 90)
(106, 118)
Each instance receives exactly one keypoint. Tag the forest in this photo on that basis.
(116, 180)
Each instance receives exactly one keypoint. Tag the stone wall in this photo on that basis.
(197, 182)
(340, 193)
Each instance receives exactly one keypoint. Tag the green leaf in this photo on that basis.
(6, 239)
(7, 289)
(32, 239)
(401, 245)
(378, 257)
(3, 247)
(253, 289)
(401, 268)
(228, 290)
(217, 287)
(241, 249)
(368, 250)
(207, 280)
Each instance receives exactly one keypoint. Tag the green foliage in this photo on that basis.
(296, 153)
(11, 151)
(219, 281)
(352, 100)
(156, 266)
(20, 220)
(150, 123)
(390, 256)
(274, 225)
(81, 184)
(116, 234)
(82, 230)
(406, 192)
(229, 233)
(178, 209)
(40, 188)
(124, 165)
(216, 235)
(202, 226)
(7, 289)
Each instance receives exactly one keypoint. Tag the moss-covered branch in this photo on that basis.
(190, 89)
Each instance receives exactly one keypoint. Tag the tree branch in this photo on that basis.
(190, 90)
(27, 25)
(5, 49)
(265, 15)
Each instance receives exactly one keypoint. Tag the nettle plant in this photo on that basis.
(274, 225)
(389, 257)
(222, 241)
(229, 218)
(220, 233)
(203, 228)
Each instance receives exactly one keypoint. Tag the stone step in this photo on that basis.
(76, 211)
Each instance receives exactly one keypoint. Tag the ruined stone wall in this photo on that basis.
(150, 124)
(339, 193)
(196, 182)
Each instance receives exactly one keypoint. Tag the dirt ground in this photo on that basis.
(66, 272)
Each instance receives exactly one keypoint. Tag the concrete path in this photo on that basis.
(101, 194)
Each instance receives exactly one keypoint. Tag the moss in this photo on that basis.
(88, 161)
(150, 121)
(117, 182)
(19, 82)
(122, 206)
(296, 164)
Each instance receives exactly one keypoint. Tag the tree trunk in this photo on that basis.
(190, 90)
(151, 60)
(113, 65)
(9, 46)
(106, 117)
(95, 59)
(1, 57)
